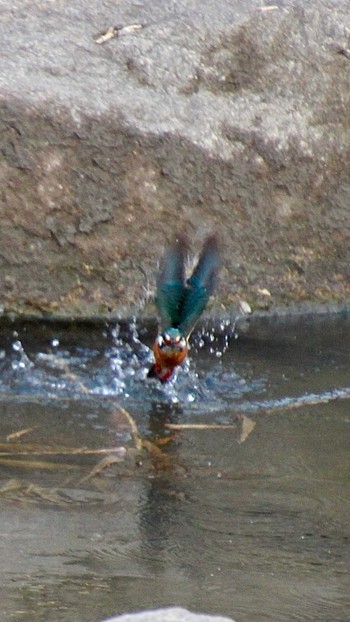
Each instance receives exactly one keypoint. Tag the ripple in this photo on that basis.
(255, 529)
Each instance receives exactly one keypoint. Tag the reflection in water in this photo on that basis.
(257, 530)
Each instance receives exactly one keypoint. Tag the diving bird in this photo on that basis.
(180, 302)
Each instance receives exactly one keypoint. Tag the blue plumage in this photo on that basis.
(180, 303)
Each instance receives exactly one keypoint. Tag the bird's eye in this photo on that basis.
(166, 338)
(160, 340)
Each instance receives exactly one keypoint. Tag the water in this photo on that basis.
(250, 521)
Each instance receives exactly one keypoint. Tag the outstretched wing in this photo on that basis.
(171, 283)
(200, 286)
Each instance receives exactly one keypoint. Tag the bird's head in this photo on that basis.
(172, 341)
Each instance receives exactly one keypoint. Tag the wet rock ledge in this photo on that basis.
(123, 122)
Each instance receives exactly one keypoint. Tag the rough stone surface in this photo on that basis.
(214, 114)
(172, 614)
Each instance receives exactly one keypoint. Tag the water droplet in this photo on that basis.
(17, 346)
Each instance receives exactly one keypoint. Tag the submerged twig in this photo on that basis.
(79, 382)
(162, 460)
(16, 435)
(103, 464)
(134, 429)
(34, 464)
(44, 493)
(12, 485)
(39, 450)
(248, 426)
(200, 426)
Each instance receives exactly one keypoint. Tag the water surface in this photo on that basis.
(249, 521)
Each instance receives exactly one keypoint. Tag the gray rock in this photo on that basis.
(211, 115)
(172, 614)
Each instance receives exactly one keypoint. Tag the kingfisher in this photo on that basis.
(181, 301)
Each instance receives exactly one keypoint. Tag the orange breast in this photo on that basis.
(167, 358)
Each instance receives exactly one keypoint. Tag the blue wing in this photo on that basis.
(200, 286)
(171, 283)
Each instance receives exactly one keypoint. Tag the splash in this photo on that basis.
(116, 367)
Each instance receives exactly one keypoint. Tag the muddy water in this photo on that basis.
(250, 521)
